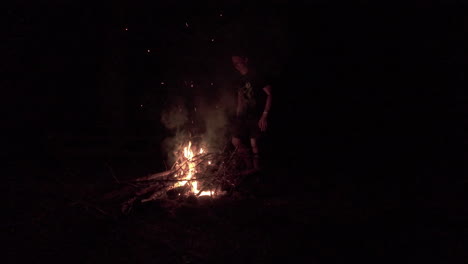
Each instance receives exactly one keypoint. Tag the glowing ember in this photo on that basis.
(188, 171)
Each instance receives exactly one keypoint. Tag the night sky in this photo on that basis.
(358, 87)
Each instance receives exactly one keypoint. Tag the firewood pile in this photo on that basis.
(203, 173)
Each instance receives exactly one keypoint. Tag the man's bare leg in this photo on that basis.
(243, 151)
(256, 153)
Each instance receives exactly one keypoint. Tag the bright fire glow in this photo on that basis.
(189, 170)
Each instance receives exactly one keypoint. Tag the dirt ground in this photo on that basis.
(55, 219)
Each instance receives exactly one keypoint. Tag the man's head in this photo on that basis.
(240, 62)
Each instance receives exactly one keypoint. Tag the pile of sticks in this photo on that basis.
(218, 172)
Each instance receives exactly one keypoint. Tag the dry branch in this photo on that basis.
(214, 171)
(156, 175)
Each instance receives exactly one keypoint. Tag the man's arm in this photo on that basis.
(262, 123)
(267, 90)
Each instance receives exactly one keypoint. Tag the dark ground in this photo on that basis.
(54, 216)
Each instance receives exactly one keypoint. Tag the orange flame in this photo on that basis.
(189, 171)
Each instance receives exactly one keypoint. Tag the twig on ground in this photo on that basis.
(112, 172)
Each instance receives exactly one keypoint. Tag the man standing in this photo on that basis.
(254, 98)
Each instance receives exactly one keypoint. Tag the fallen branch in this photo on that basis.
(86, 205)
(156, 175)
(112, 173)
(218, 172)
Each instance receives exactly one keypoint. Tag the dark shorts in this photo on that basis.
(246, 128)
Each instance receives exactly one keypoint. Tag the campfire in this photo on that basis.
(197, 171)
(188, 168)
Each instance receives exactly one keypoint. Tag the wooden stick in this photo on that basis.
(156, 175)
(112, 173)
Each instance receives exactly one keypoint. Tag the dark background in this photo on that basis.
(366, 95)
(361, 87)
